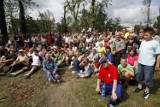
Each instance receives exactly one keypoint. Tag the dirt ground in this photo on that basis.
(62, 94)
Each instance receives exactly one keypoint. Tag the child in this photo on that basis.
(109, 53)
(125, 71)
(88, 70)
(147, 54)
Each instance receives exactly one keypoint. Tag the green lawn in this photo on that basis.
(19, 92)
(86, 93)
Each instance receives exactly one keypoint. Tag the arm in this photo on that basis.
(98, 85)
(45, 69)
(129, 71)
(114, 96)
(55, 69)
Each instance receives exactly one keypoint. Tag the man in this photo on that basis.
(117, 49)
(36, 62)
(92, 55)
(109, 74)
(21, 61)
(50, 69)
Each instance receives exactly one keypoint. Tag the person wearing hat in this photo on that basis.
(36, 63)
(21, 61)
(108, 73)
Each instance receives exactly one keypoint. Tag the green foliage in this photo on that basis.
(157, 24)
(45, 21)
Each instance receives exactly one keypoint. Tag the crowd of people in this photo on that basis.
(116, 58)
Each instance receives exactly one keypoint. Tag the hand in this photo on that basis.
(54, 71)
(114, 96)
(48, 73)
(124, 69)
(114, 52)
(98, 89)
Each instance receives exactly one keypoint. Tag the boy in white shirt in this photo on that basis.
(147, 55)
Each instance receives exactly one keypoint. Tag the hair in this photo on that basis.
(134, 49)
(108, 47)
(123, 58)
(149, 30)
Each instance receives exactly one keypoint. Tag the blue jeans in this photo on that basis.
(52, 76)
(107, 89)
(145, 74)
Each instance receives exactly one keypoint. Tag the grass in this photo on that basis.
(19, 92)
(87, 95)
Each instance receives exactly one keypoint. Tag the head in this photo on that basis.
(48, 57)
(104, 63)
(108, 49)
(123, 61)
(21, 52)
(148, 33)
(118, 35)
(86, 61)
(131, 36)
(94, 51)
(132, 52)
(101, 44)
(35, 52)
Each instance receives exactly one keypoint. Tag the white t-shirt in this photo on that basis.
(36, 60)
(148, 51)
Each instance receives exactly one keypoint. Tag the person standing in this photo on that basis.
(117, 49)
(148, 51)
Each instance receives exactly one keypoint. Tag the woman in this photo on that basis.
(132, 57)
(101, 49)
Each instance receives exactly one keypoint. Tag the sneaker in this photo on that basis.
(137, 90)
(110, 105)
(11, 74)
(146, 95)
(26, 76)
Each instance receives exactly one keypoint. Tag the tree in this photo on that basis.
(157, 24)
(22, 17)
(3, 23)
(16, 8)
(147, 9)
(45, 21)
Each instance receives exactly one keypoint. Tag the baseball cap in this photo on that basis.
(103, 60)
(21, 50)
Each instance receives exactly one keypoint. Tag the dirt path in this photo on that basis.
(62, 94)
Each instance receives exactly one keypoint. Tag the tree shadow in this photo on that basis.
(156, 86)
(125, 96)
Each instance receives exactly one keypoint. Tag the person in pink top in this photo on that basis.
(132, 57)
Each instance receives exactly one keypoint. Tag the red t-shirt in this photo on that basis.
(109, 74)
(97, 64)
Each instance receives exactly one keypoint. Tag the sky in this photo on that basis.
(128, 10)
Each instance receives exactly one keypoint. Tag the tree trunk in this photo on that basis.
(3, 23)
(22, 18)
(93, 13)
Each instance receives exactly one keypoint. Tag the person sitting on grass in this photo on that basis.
(9, 59)
(88, 70)
(125, 71)
(50, 69)
(109, 74)
(21, 62)
(96, 65)
(36, 63)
